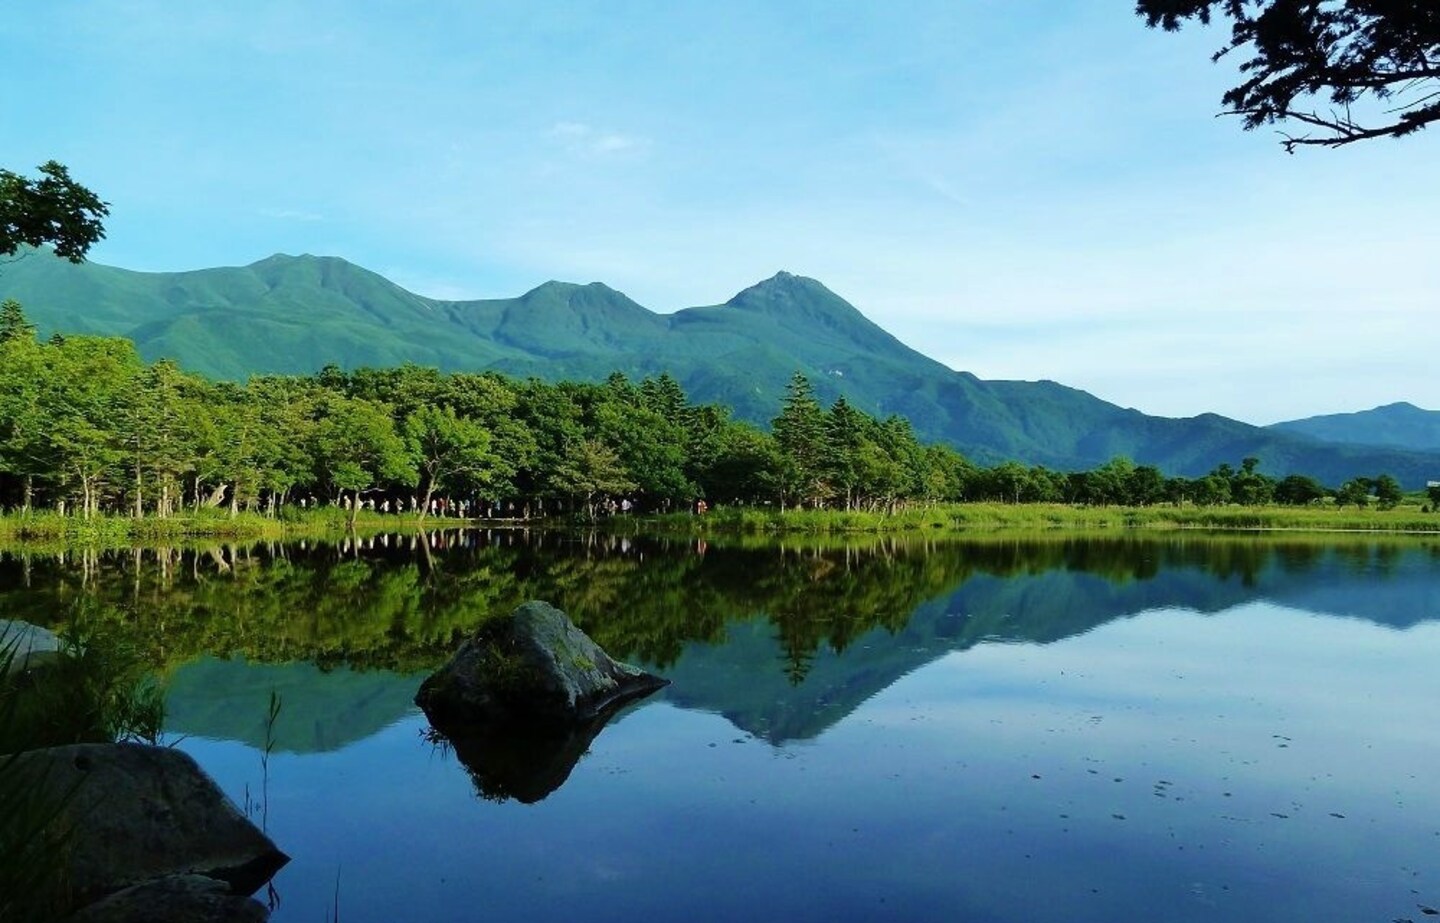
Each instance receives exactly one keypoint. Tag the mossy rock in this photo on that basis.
(532, 668)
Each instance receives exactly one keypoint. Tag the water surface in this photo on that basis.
(1007, 729)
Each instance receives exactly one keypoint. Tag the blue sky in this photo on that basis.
(1019, 188)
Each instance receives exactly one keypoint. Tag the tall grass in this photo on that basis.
(979, 517)
(94, 689)
(50, 529)
(34, 845)
(97, 689)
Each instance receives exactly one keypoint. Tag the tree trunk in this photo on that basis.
(29, 495)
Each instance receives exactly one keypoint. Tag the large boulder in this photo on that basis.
(134, 813)
(532, 670)
(24, 646)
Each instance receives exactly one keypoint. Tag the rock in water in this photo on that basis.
(24, 646)
(532, 669)
(135, 813)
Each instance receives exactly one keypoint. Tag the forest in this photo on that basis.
(89, 428)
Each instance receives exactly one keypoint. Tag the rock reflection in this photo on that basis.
(527, 766)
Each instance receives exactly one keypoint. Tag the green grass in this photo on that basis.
(51, 530)
(981, 517)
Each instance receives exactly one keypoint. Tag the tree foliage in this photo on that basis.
(52, 210)
(87, 427)
(1350, 70)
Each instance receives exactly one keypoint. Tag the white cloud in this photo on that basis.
(585, 139)
(291, 214)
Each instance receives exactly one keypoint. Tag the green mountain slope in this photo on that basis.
(289, 314)
(1400, 425)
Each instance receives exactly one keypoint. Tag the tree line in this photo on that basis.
(87, 427)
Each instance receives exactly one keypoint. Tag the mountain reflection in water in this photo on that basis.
(783, 639)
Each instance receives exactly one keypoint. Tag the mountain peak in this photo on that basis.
(1401, 425)
(286, 259)
(577, 294)
(788, 280)
(786, 293)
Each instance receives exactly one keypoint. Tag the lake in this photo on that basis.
(1001, 729)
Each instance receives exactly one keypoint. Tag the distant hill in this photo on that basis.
(295, 314)
(1400, 425)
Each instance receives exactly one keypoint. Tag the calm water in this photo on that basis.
(1231, 729)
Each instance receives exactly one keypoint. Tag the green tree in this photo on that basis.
(88, 380)
(1009, 481)
(881, 477)
(406, 388)
(745, 464)
(53, 210)
(1178, 490)
(649, 445)
(491, 401)
(26, 452)
(356, 446)
(948, 474)
(1211, 490)
(896, 438)
(1432, 491)
(152, 431)
(553, 419)
(1298, 490)
(845, 438)
(1387, 492)
(1326, 65)
(1111, 482)
(286, 420)
(1354, 492)
(1249, 486)
(592, 471)
(231, 441)
(664, 396)
(14, 325)
(800, 435)
(451, 452)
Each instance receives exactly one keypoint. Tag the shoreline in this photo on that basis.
(49, 530)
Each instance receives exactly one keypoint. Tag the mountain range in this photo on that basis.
(1400, 426)
(296, 314)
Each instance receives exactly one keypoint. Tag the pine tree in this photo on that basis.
(800, 433)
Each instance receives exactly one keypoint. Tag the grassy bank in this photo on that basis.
(55, 531)
(979, 517)
(48, 528)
